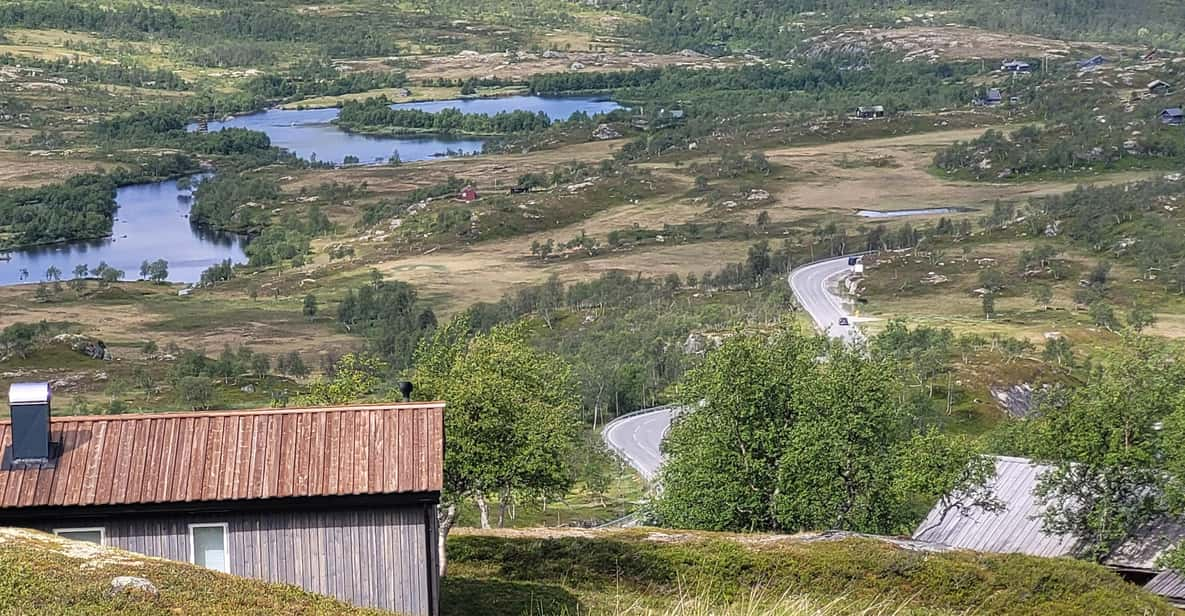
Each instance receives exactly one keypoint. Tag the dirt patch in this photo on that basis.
(23, 169)
(951, 42)
(521, 65)
(825, 185)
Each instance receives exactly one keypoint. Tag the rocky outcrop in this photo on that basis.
(90, 347)
(133, 585)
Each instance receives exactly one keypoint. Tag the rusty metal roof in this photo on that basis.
(244, 455)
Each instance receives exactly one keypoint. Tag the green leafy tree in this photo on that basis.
(950, 470)
(510, 424)
(989, 305)
(19, 339)
(355, 377)
(1058, 351)
(196, 392)
(794, 432)
(1106, 443)
(261, 365)
(1140, 318)
(309, 309)
(1043, 295)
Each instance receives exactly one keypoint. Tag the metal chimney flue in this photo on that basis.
(29, 407)
(405, 388)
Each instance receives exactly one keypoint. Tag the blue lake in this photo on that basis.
(152, 223)
(309, 133)
(153, 219)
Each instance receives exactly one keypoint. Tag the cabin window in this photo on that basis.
(208, 546)
(90, 535)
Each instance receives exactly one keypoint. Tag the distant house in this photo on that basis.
(1016, 66)
(1092, 62)
(468, 194)
(991, 98)
(1173, 116)
(871, 112)
(1159, 87)
(1017, 529)
(339, 501)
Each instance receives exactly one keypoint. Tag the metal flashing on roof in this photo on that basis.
(28, 393)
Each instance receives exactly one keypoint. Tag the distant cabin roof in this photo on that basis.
(1156, 83)
(994, 93)
(1017, 529)
(1173, 111)
(233, 456)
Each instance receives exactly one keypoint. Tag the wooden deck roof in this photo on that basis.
(227, 456)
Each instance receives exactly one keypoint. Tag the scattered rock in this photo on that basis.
(551, 54)
(757, 195)
(132, 584)
(934, 278)
(696, 344)
(90, 347)
(605, 132)
(576, 66)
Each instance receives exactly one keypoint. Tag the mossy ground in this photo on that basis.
(44, 575)
(653, 572)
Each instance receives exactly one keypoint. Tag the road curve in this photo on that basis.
(812, 284)
(637, 438)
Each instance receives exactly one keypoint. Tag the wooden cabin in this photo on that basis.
(340, 501)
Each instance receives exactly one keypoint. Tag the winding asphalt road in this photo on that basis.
(812, 285)
(637, 438)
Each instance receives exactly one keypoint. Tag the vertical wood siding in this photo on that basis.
(382, 558)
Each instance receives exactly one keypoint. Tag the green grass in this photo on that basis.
(655, 572)
(48, 576)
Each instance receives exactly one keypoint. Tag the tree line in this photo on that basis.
(376, 114)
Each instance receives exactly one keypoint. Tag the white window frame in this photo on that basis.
(84, 529)
(225, 543)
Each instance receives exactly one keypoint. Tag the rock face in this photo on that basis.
(695, 344)
(135, 585)
(91, 347)
(1016, 400)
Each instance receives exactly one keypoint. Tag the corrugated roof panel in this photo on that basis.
(1017, 529)
(1167, 584)
(232, 456)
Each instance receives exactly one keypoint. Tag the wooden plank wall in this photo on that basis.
(382, 558)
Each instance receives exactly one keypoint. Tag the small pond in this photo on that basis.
(903, 213)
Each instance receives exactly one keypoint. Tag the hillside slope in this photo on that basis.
(45, 575)
(661, 572)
